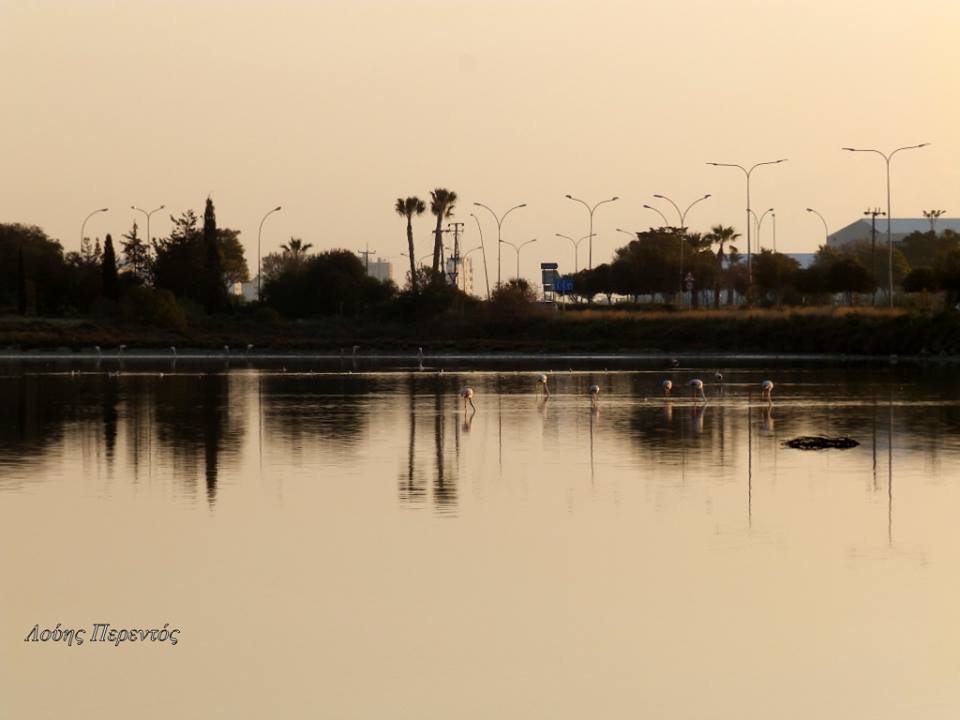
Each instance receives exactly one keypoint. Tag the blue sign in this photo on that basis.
(563, 285)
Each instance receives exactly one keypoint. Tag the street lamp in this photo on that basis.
(666, 223)
(826, 230)
(887, 158)
(486, 273)
(632, 235)
(747, 173)
(683, 214)
(259, 254)
(576, 249)
(759, 221)
(591, 211)
(499, 227)
(83, 225)
(683, 225)
(148, 214)
(518, 248)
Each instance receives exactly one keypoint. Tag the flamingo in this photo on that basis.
(766, 390)
(226, 349)
(542, 385)
(249, 347)
(122, 348)
(718, 376)
(420, 358)
(594, 391)
(173, 349)
(696, 386)
(467, 395)
(667, 387)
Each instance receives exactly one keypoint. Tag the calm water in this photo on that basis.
(337, 545)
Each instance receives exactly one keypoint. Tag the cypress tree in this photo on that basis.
(215, 288)
(108, 266)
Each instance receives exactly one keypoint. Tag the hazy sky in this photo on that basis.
(335, 108)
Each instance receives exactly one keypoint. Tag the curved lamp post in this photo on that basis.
(148, 214)
(83, 225)
(499, 221)
(666, 223)
(576, 249)
(747, 173)
(486, 273)
(683, 224)
(591, 210)
(518, 248)
(759, 222)
(826, 230)
(259, 255)
(887, 158)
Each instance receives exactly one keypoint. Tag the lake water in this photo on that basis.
(352, 545)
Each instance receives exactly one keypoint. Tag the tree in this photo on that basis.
(921, 279)
(329, 283)
(774, 271)
(296, 247)
(110, 282)
(136, 253)
(848, 275)
(214, 289)
(720, 235)
(442, 202)
(233, 262)
(948, 270)
(408, 207)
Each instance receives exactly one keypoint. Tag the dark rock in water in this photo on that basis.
(816, 442)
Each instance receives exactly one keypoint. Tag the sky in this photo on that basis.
(334, 108)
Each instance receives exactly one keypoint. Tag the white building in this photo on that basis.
(900, 227)
(464, 275)
(381, 270)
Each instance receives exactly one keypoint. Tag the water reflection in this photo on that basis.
(194, 423)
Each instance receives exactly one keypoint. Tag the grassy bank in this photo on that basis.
(849, 331)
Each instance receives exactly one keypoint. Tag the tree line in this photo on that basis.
(663, 263)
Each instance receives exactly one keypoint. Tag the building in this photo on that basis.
(805, 259)
(465, 275)
(900, 227)
(380, 269)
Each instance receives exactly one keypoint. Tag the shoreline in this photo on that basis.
(197, 354)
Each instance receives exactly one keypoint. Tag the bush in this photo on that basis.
(154, 307)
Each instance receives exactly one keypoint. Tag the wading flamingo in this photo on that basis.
(467, 395)
(594, 391)
(766, 390)
(542, 385)
(696, 386)
(667, 387)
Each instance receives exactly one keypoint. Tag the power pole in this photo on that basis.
(366, 257)
(932, 216)
(456, 228)
(873, 213)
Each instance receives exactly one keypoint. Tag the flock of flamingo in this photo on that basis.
(696, 390)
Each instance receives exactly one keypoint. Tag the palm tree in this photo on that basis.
(720, 235)
(296, 247)
(441, 205)
(408, 208)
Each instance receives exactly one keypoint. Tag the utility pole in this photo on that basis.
(456, 228)
(366, 257)
(873, 213)
(932, 216)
